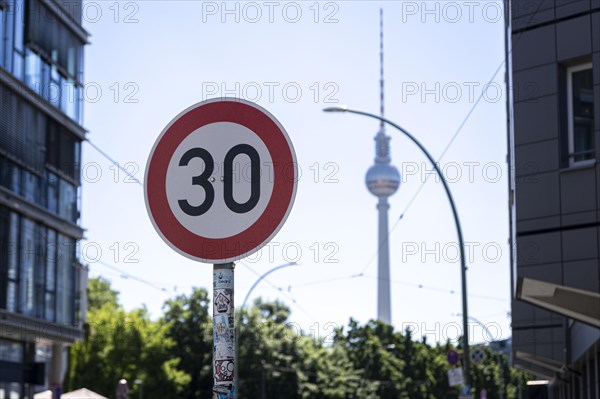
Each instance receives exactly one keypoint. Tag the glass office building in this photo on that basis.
(42, 283)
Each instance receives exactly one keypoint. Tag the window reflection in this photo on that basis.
(41, 269)
(581, 114)
(52, 184)
(27, 262)
(67, 201)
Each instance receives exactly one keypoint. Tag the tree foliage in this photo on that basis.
(173, 355)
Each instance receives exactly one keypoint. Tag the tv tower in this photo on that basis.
(383, 179)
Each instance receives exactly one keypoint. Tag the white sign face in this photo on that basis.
(220, 180)
(455, 377)
(201, 181)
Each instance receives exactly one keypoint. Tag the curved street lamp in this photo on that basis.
(461, 244)
(498, 354)
(261, 278)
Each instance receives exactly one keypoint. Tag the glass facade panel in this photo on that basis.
(13, 258)
(67, 201)
(18, 65)
(53, 39)
(41, 269)
(11, 351)
(31, 187)
(27, 261)
(33, 71)
(19, 15)
(9, 38)
(51, 261)
(52, 199)
(2, 47)
(65, 280)
(11, 296)
(581, 114)
(53, 92)
(13, 245)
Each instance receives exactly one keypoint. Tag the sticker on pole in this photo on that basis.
(220, 180)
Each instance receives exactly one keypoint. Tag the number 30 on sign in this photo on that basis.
(220, 180)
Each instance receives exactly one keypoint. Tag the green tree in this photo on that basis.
(189, 323)
(278, 360)
(120, 344)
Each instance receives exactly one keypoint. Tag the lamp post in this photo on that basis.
(141, 384)
(498, 354)
(241, 309)
(461, 244)
(262, 277)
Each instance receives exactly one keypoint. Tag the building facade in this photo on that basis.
(42, 283)
(554, 142)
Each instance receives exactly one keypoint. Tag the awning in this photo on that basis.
(580, 305)
(538, 365)
(82, 393)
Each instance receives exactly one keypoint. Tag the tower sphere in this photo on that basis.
(382, 179)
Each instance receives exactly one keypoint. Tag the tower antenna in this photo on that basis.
(381, 82)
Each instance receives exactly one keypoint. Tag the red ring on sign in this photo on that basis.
(221, 250)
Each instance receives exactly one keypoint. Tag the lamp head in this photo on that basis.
(338, 108)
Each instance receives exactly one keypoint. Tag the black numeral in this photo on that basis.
(254, 178)
(203, 181)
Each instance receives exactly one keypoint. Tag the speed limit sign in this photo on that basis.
(220, 180)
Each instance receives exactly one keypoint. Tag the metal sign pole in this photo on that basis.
(224, 356)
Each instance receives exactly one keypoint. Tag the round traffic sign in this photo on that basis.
(478, 356)
(452, 357)
(220, 180)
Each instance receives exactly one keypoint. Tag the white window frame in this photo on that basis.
(571, 132)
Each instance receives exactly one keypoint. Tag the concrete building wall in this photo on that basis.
(557, 201)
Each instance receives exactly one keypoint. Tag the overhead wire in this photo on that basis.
(403, 213)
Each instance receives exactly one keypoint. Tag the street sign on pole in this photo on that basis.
(220, 182)
(478, 356)
(455, 377)
(453, 357)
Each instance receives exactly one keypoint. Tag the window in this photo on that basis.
(2, 16)
(33, 71)
(31, 187)
(51, 257)
(13, 272)
(67, 205)
(53, 39)
(27, 261)
(19, 21)
(63, 150)
(11, 351)
(580, 102)
(8, 22)
(22, 130)
(41, 270)
(52, 184)
(65, 280)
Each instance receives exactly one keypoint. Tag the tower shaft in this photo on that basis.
(384, 311)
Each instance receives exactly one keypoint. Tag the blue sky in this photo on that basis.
(148, 61)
